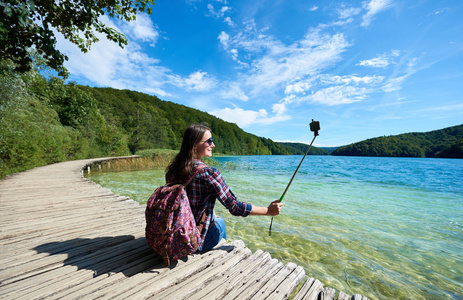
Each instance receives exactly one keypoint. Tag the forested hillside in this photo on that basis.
(150, 122)
(300, 148)
(443, 143)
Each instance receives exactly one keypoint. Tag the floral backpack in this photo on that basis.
(171, 229)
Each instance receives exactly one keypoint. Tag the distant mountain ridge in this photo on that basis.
(301, 148)
(442, 143)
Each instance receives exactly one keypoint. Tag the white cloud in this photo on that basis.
(289, 99)
(378, 62)
(229, 21)
(298, 87)
(197, 81)
(217, 13)
(279, 108)
(155, 91)
(142, 29)
(412, 62)
(224, 39)
(245, 118)
(403, 70)
(306, 58)
(352, 79)
(242, 118)
(273, 120)
(332, 90)
(394, 84)
(224, 9)
(313, 8)
(294, 67)
(211, 9)
(107, 64)
(374, 7)
(347, 13)
(381, 61)
(252, 39)
(335, 95)
(234, 91)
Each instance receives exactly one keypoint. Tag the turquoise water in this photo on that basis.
(386, 228)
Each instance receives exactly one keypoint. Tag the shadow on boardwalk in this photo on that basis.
(98, 254)
(110, 254)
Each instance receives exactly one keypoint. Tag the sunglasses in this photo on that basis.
(209, 141)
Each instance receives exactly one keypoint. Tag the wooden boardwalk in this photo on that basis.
(65, 237)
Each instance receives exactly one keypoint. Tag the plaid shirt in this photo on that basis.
(207, 186)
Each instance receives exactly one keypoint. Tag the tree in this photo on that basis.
(26, 24)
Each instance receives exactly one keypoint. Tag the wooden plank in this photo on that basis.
(35, 237)
(327, 294)
(61, 257)
(343, 296)
(192, 285)
(253, 283)
(31, 257)
(149, 282)
(359, 297)
(310, 290)
(110, 279)
(287, 285)
(58, 280)
(273, 282)
(222, 283)
(99, 262)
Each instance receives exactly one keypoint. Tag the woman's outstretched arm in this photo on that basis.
(272, 210)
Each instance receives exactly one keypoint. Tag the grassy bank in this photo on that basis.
(149, 159)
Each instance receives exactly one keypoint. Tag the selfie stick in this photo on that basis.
(315, 127)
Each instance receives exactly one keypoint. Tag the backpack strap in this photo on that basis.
(203, 217)
(196, 171)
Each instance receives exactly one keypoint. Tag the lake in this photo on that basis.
(386, 228)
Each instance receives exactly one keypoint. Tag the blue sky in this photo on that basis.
(362, 68)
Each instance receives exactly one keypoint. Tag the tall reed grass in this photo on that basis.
(149, 159)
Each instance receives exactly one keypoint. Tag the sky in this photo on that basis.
(363, 69)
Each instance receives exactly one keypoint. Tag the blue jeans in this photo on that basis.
(215, 234)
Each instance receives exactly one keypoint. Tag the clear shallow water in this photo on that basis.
(387, 228)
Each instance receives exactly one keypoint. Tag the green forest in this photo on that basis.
(300, 149)
(443, 143)
(149, 122)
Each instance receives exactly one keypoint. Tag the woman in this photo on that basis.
(207, 186)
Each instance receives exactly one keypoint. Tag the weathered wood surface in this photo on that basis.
(65, 237)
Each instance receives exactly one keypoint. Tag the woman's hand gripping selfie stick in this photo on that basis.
(315, 127)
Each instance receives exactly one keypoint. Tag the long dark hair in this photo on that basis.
(182, 165)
